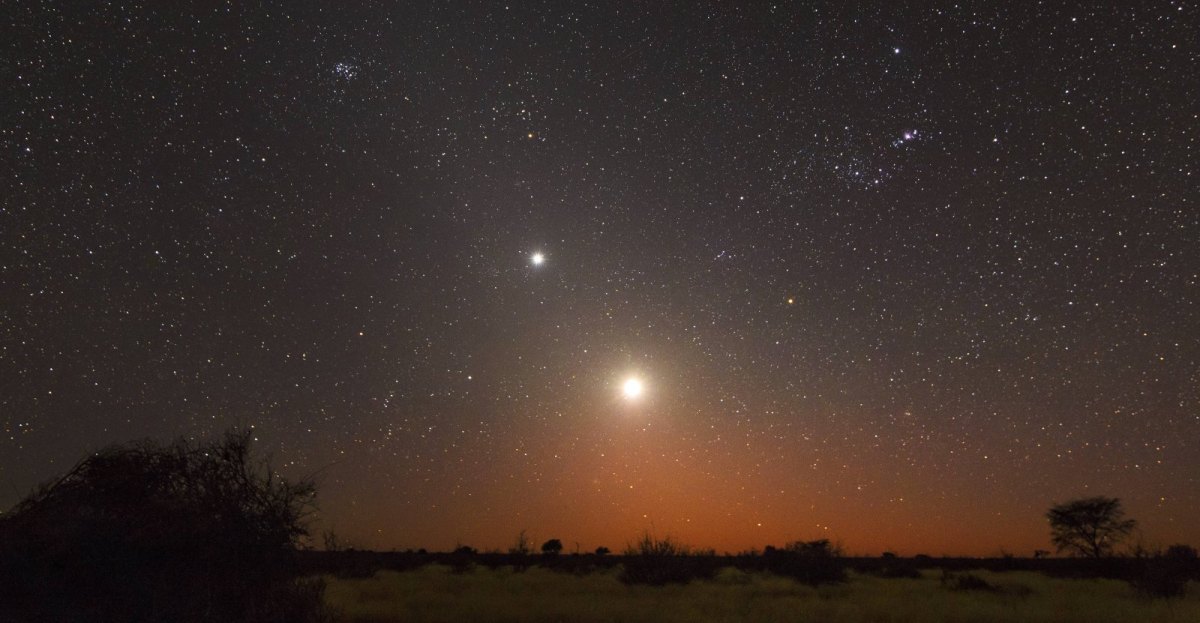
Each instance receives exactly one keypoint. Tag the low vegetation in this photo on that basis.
(656, 562)
(436, 593)
(811, 562)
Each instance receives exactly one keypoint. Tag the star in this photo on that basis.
(632, 388)
(537, 259)
(345, 70)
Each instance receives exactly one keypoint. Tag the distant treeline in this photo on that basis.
(358, 563)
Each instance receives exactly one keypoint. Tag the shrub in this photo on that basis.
(966, 582)
(522, 547)
(301, 601)
(1185, 558)
(552, 547)
(896, 569)
(810, 562)
(1165, 576)
(651, 547)
(663, 561)
(733, 576)
(143, 532)
(462, 559)
(1182, 551)
(1159, 580)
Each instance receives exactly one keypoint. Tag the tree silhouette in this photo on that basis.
(144, 532)
(602, 551)
(552, 547)
(1089, 527)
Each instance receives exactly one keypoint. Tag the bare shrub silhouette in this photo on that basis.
(518, 554)
(144, 532)
(522, 546)
(333, 542)
(651, 547)
(654, 561)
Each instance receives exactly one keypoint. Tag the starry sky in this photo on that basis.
(900, 275)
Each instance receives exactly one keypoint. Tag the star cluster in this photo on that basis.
(898, 275)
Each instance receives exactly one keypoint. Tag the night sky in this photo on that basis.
(900, 276)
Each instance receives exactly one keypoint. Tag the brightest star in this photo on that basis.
(537, 259)
(632, 388)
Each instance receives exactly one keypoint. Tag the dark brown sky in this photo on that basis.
(897, 276)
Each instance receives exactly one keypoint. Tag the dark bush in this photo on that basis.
(898, 569)
(302, 601)
(964, 581)
(1163, 577)
(664, 561)
(552, 547)
(810, 562)
(1185, 559)
(1159, 580)
(1182, 551)
(462, 559)
(143, 532)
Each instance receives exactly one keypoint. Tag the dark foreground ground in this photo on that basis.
(440, 593)
(397, 586)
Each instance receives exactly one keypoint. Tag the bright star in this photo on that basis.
(537, 259)
(632, 388)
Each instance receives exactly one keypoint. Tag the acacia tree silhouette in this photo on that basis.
(143, 532)
(1089, 527)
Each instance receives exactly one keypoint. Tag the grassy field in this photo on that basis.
(435, 593)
